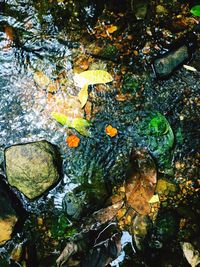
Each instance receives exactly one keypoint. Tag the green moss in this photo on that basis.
(109, 52)
(62, 227)
(130, 84)
(155, 133)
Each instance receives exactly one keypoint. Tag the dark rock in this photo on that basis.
(179, 53)
(166, 229)
(8, 217)
(85, 199)
(33, 167)
(140, 8)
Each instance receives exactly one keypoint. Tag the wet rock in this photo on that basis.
(85, 199)
(179, 53)
(140, 8)
(33, 167)
(140, 228)
(8, 217)
(73, 205)
(155, 132)
(166, 229)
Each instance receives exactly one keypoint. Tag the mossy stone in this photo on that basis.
(32, 167)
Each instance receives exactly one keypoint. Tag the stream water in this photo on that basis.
(50, 37)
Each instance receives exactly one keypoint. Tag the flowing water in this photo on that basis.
(48, 36)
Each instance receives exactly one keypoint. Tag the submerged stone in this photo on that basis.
(140, 8)
(8, 217)
(33, 167)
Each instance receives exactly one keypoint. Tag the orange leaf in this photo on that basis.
(111, 131)
(73, 141)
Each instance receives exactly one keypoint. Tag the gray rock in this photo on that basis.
(169, 62)
(33, 167)
(8, 217)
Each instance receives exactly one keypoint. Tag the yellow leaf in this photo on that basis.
(92, 77)
(154, 199)
(83, 95)
(189, 68)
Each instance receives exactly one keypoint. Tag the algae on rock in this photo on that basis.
(33, 167)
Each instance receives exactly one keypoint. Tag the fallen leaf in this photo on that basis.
(189, 68)
(73, 141)
(195, 10)
(83, 95)
(111, 131)
(90, 77)
(141, 181)
(79, 124)
(70, 249)
(61, 118)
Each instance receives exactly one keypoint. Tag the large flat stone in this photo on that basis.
(32, 167)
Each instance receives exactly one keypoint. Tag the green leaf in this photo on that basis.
(79, 124)
(195, 10)
(61, 118)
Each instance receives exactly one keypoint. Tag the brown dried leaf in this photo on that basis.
(104, 215)
(140, 186)
(70, 249)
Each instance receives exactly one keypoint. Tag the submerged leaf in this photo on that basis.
(78, 124)
(83, 95)
(154, 199)
(195, 10)
(141, 183)
(111, 28)
(90, 77)
(61, 118)
(93, 77)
